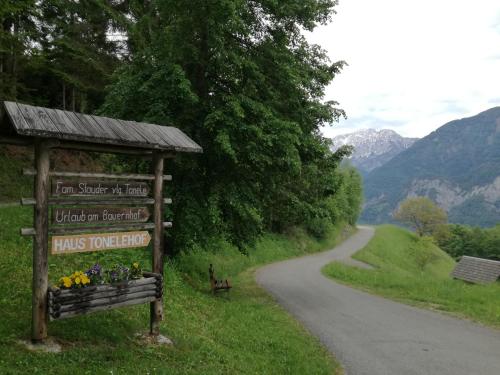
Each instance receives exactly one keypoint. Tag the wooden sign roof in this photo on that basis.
(42, 122)
(477, 270)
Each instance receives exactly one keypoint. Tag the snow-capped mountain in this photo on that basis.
(373, 148)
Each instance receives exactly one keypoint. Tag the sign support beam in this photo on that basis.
(40, 316)
(156, 307)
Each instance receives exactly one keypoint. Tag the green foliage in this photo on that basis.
(13, 185)
(458, 240)
(421, 214)
(242, 81)
(423, 252)
(57, 53)
(398, 274)
(239, 77)
(244, 333)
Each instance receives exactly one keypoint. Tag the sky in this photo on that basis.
(413, 65)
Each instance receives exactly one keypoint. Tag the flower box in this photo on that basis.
(66, 303)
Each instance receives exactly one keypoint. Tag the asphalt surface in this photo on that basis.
(372, 335)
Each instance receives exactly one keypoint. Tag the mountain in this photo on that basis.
(373, 148)
(457, 166)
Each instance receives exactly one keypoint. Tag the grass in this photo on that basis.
(416, 272)
(244, 332)
(13, 184)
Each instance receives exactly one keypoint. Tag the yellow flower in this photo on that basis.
(85, 279)
(136, 265)
(77, 280)
(66, 281)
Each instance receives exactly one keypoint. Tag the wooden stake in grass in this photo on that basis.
(40, 314)
(156, 307)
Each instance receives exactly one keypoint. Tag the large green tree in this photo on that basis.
(421, 214)
(58, 53)
(242, 80)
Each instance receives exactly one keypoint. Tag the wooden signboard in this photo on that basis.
(72, 188)
(98, 242)
(99, 215)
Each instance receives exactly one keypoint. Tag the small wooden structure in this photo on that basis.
(217, 285)
(107, 203)
(477, 270)
(66, 303)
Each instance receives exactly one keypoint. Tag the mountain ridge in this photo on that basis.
(457, 165)
(372, 148)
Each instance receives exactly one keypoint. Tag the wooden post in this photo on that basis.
(40, 314)
(156, 307)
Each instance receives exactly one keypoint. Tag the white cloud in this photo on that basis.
(413, 66)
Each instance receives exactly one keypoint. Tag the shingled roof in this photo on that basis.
(32, 121)
(477, 270)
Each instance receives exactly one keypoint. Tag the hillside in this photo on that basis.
(372, 148)
(457, 166)
(242, 332)
(415, 271)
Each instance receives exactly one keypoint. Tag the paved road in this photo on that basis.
(372, 335)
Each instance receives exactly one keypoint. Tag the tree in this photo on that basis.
(240, 78)
(421, 214)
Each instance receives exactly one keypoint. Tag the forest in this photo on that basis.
(238, 77)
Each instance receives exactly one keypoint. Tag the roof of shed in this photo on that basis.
(42, 122)
(477, 270)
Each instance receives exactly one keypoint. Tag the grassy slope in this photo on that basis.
(394, 251)
(13, 185)
(244, 332)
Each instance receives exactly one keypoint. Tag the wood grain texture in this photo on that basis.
(122, 176)
(40, 244)
(98, 242)
(79, 202)
(477, 270)
(99, 215)
(67, 303)
(156, 307)
(70, 314)
(70, 126)
(88, 188)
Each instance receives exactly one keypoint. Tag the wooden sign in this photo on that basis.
(99, 215)
(73, 188)
(98, 242)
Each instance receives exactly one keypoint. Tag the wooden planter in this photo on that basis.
(66, 303)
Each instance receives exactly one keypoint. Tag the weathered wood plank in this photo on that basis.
(66, 307)
(62, 202)
(152, 279)
(38, 120)
(40, 244)
(98, 241)
(104, 229)
(71, 188)
(16, 116)
(66, 125)
(123, 176)
(84, 201)
(28, 232)
(133, 129)
(55, 300)
(110, 215)
(70, 314)
(156, 307)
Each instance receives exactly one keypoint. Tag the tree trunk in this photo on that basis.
(64, 95)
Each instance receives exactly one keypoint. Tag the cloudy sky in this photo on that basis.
(413, 65)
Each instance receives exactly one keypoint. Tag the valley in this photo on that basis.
(457, 166)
